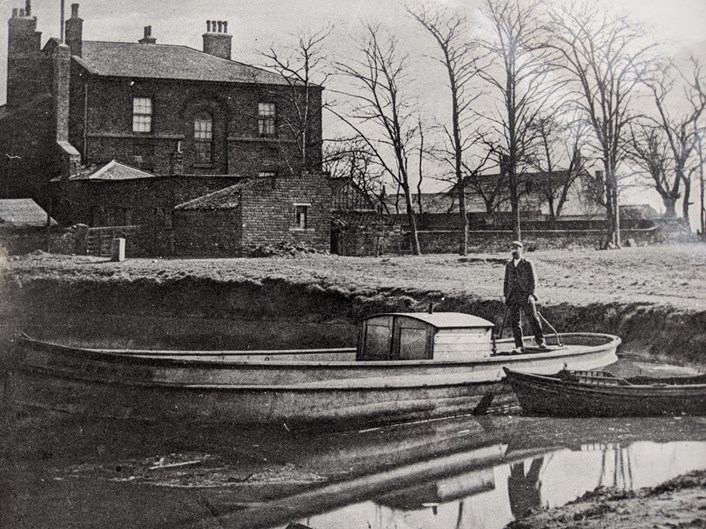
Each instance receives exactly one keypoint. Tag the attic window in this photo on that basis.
(203, 137)
(267, 112)
(141, 114)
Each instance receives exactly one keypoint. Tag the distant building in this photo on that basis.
(108, 133)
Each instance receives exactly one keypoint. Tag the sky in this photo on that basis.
(679, 25)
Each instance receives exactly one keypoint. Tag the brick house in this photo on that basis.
(122, 133)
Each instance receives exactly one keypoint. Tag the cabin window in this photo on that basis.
(141, 114)
(377, 341)
(413, 344)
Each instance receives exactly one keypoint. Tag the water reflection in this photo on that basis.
(463, 472)
(491, 498)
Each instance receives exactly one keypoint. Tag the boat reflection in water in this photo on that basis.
(492, 497)
(466, 472)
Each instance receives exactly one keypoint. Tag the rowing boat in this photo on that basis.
(572, 393)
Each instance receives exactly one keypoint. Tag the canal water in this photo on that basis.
(463, 472)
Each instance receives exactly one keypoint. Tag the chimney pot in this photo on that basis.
(22, 12)
(15, 12)
(148, 38)
(28, 8)
(74, 10)
(215, 41)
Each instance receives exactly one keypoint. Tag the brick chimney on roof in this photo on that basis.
(148, 38)
(216, 40)
(73, 34)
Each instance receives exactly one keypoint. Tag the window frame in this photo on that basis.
(141, 112)
(203, 155)
(298, 225)
(267, 119)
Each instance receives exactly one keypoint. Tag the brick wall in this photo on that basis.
(147, 202)
(26, 132)
(212, 233)
(268, 211)
(237, 146)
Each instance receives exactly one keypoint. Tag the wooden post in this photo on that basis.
(49, 227)
(118, 250)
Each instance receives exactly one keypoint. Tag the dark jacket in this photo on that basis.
(520, 280)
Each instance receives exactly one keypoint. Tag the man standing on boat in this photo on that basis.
(518, 294)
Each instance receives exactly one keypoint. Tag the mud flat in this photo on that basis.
(679, 502)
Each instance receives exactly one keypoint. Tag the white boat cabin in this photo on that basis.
(441, 336)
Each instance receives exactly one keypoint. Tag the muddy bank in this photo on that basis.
(679, 502)
(201, 312)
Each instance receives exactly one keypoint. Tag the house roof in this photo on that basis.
(227, 198)
(167, 61)
(110, 172)
(22, 213)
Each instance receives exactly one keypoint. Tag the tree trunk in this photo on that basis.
(670, 206)
(412, 219)
(463, 236)
(686, 203)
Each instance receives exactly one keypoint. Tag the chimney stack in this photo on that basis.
(25, 71)
(148, 38)
(216, 40)
(74, 32)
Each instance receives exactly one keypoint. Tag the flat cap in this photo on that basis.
(516, 244)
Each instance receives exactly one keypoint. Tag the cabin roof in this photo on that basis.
(442, 320)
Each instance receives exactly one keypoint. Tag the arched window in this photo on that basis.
(203, 137)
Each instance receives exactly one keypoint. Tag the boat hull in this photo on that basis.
(553, 396)
(230, 388)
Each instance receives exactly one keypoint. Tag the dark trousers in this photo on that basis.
(525, 304)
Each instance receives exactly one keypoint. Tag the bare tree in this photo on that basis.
(560, 144)
(700, 170)
(604, 57)
(651, 155)
(458, 56)
(351, 159)
(303, 67)
(681, 134)
(383, 115)
(521, 72)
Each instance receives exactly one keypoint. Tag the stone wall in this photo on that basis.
(18, 242)
(361, 233)
(497, 240)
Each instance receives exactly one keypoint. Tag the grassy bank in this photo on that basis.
(656, 275)
(653, 297)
